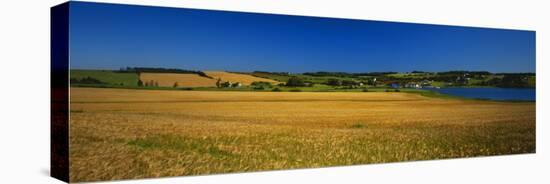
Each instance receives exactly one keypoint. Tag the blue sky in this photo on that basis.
(108, 36)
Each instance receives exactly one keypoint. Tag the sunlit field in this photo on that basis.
(181, 79)
(128, 133)
(236, 77)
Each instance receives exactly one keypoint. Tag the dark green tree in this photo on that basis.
(349, 83)
(513, 81)
(334, 82)
(295, 82)
(225, 84)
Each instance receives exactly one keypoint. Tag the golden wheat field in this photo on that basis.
(235, 77)
(126, 134)
(184, 80)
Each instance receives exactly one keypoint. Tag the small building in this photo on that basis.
(413, 85)
(426, 84)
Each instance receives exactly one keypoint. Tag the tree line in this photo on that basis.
(160, 70)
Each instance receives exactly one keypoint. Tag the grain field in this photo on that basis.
(128, 134)
(236, 77)
(183, 80)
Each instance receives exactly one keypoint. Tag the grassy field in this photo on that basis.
(183, 80)
(107, 76)
(124, 133)
(276, 77)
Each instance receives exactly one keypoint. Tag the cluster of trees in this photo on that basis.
(464, 72)
(260, 85)
(459, 77)
(417, 71)
(346, 74)
(509, 81)
(330, 74)
(160, 70)
(344, 82)
(272, 73)
(298, 82)
(524, 74)
(150, 83)
(514, 81)
(226, 84)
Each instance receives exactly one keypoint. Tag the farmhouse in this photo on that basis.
(413, 85)
(421, 84)
(426, 84)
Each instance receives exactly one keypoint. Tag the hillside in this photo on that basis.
(107, 77)
(236, 77)
(183, 80)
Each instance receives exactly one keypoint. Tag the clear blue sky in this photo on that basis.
(107, 36)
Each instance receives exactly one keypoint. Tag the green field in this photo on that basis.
(107, 76)
(280, 78)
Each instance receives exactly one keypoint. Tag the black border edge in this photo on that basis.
(59, 91)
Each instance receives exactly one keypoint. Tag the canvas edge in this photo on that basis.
(59, 88)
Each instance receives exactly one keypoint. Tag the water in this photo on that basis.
(526, 94)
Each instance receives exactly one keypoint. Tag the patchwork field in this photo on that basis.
(194, 80)
(123, 133)
(183, 80)
(235, 77)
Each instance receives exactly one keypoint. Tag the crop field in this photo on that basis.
(183, 80)
(235, 77)
(126, 134)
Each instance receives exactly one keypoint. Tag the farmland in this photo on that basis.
(124, 79)
(194, 80)
(186, 80)
(236, 77)
(128, 133)
(107, 76)
(320, 81)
